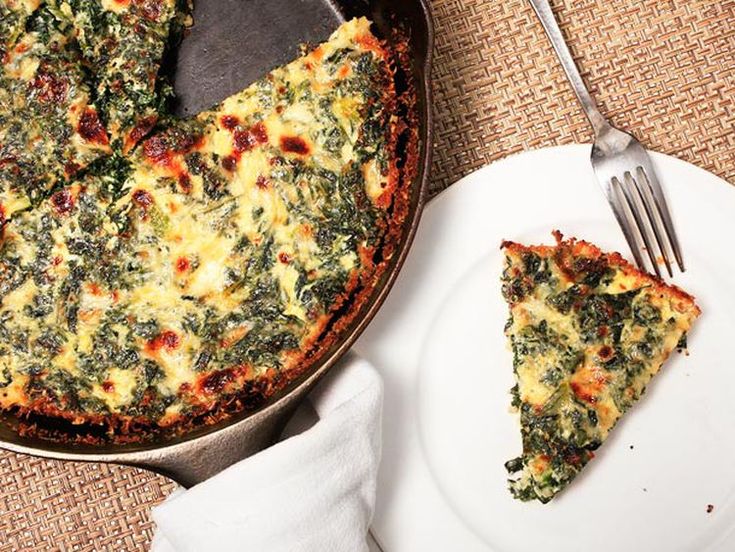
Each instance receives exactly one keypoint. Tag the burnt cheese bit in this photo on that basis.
(144, 201)
(150, 9)
(183, 138)
(156, 150)
(185, 183)
(216, 381)
(71, 168)
(49, 87)
(90, 128)
(183, 264)
(167, 340)
(294, 144)
(260, 133)
(229, 163)
(230, 122)
(62, 202)
(139, 131)
(142, 198)
(583, 392)
(246, 140)
(605, 353)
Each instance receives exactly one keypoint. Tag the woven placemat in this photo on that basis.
(660, 68)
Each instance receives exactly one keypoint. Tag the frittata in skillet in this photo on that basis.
(169, 283)
(588, 331)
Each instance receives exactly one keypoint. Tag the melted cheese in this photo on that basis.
(67, 360)
(253, 164)
(12, 203)
(29, 6)
(374, 181)
(120, 385)
(287, 277)
(20, 297)
(210, 278)
(27, 68)
(176, 366)
(14, 394)
(346, 109)
(115, 6)
(348, 261)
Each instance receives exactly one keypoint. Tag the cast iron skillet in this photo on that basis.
(232, 43)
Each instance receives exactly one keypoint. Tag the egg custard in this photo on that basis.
(588, 331)
(188, 269)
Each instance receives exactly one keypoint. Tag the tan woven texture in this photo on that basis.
(664, 69)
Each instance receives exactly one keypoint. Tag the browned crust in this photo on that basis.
(580, 248)
(44, 419)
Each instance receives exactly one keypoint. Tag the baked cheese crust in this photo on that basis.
(588, 331)
(202, 271)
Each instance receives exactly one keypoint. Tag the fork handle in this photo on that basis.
(543, 10)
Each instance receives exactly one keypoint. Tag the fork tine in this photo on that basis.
(663, 211)
(654, 221)
(642, 229)
(616, 202)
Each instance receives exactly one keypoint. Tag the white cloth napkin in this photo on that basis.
(311, 492)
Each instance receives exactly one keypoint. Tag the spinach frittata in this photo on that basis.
(169, 283)
(588, 331)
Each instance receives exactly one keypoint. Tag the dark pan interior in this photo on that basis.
(235, 42)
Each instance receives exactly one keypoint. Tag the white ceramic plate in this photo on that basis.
(439, 344)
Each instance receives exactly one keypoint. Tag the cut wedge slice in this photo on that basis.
(588, 331)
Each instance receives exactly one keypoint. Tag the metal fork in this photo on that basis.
(623, 169)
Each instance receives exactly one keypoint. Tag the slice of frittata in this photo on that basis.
(50, 128)
(124, 41)
(588, 331)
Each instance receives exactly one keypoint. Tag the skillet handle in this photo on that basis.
(194, 461)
